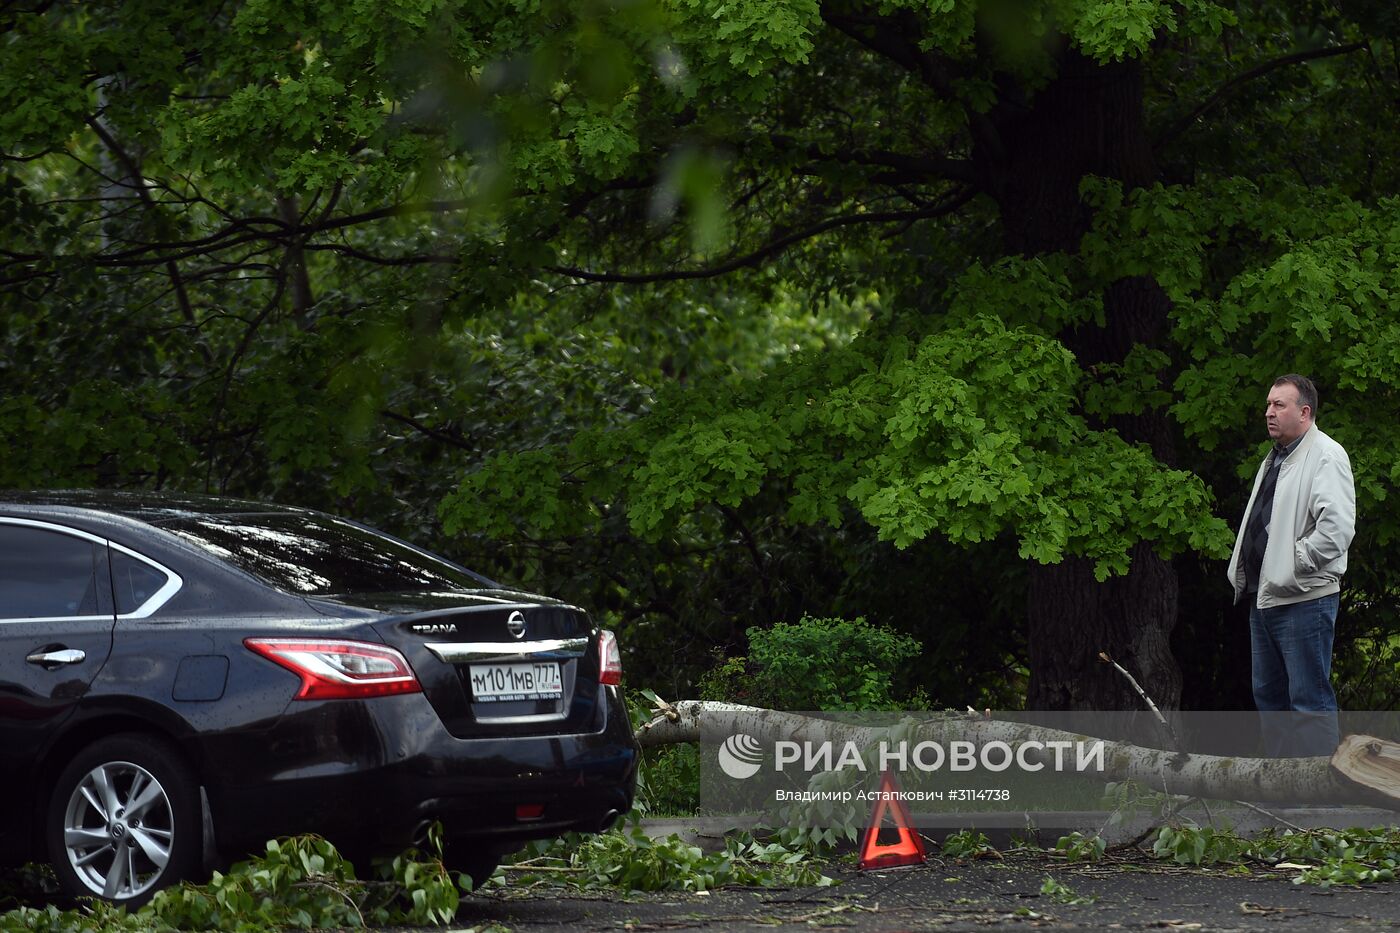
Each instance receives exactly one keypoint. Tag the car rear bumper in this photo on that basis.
(374, 774)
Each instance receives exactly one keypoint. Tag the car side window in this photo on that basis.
(133, 582)
(46, 574)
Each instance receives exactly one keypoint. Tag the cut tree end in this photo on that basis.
(1372, 765)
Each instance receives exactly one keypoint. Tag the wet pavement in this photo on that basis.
(970, 895)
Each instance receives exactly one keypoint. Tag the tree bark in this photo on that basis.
(1363, 771)
(1088, 121)
(295, 262)
(1073, 617)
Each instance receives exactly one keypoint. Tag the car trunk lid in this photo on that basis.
(503, 665)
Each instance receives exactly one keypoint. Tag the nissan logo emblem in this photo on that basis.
(516, 624)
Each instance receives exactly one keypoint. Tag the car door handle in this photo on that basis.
(57, 658)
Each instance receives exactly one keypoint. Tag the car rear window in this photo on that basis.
(133, 582)
(320, 555)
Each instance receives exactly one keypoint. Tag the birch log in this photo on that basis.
(1363, 771)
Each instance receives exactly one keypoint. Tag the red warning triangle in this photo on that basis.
(909, 850)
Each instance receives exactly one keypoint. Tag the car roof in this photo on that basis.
(143, 505)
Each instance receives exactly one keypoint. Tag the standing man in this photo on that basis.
(1288, 560)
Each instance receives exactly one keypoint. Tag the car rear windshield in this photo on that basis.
(319, 555)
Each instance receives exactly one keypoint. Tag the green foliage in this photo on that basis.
(101, 917)
(742, 46)
(1077, 847)
(101, 426)
(1119, 29)
(814, 833)
(1326, 856)
(1129, 799)
(570, 290)
(828, 819)
(1192, 845)
(968, 843)
(298, 883)
(819, 664)
(968, 433)
(631, 860)
(727, 679)
(828, 664)
(669, 781)
(1353, 856)
(1062, 893)
(1364, 672)
(1345, 870)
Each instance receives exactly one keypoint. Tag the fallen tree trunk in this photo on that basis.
(1363, 770)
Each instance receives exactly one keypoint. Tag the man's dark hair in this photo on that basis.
(1307, 392)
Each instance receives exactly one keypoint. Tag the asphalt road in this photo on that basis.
(959, 896)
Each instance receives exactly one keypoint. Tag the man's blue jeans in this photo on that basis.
(1291, 649)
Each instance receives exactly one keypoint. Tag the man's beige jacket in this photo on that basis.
(1314, 519)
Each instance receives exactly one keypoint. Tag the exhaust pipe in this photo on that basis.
(609, 820)
(420, 832)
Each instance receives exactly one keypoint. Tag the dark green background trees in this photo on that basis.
(956, 315)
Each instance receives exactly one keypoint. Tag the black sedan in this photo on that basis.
(185, 677)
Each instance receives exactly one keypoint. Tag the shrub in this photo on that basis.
(669, 781)
(826, 664)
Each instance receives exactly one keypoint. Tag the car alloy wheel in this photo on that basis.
(122, 821)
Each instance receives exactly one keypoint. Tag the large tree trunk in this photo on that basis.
(1073, 617)
(1363, 770)
(1088, 121)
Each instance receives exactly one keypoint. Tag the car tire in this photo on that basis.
(124, 820)
(478, 865)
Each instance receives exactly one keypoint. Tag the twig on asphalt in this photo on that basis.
(1273, 816)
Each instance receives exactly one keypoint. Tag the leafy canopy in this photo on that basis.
(692, 310)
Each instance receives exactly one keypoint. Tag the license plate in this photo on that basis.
(534, 681)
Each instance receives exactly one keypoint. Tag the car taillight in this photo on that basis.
(611, 658)
(331, 669)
